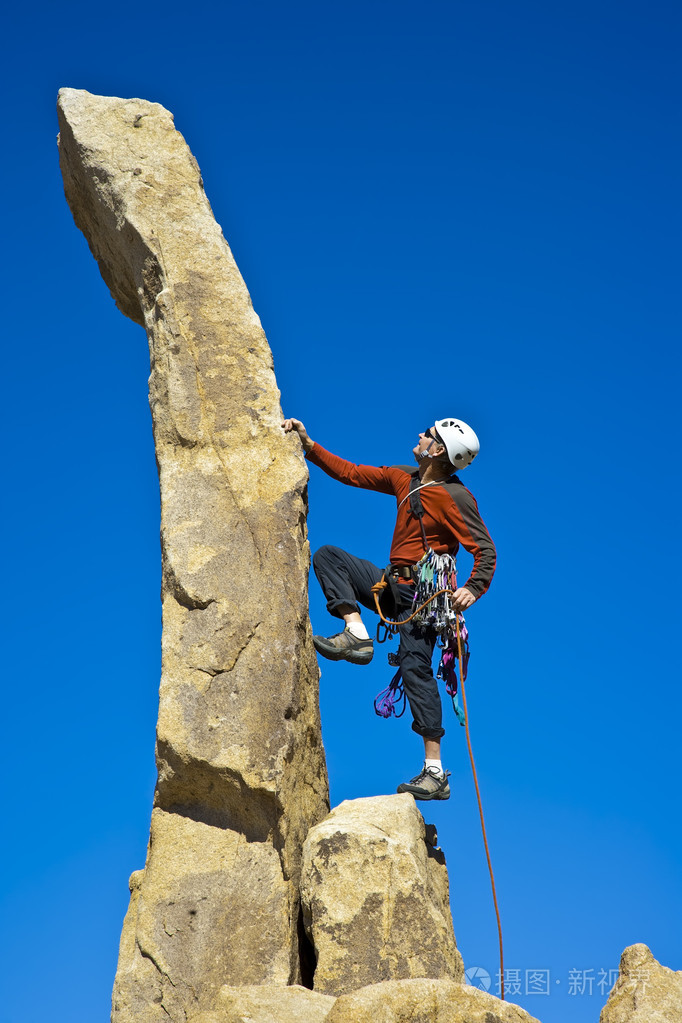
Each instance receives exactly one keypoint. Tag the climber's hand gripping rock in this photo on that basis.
(295, 425)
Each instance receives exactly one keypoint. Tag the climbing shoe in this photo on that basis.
(428, 785)
(344, 646)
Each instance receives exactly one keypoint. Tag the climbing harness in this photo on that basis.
(436, 582)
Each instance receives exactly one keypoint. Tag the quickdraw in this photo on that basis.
(436, 582)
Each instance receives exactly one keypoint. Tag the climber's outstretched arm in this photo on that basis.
(369, 477)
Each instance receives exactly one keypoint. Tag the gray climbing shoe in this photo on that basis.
(344, 646)
(428, 785)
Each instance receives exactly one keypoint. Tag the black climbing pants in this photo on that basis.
(347, 580)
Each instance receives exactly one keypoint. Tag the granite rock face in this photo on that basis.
(238, 735)
(375, 897)
(195, 923)
(424, 1001)
(239, 748)
(645, 991)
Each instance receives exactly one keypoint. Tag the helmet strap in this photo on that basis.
(425, 452)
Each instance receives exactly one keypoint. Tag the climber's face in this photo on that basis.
(427, 444)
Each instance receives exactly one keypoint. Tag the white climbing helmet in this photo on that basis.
(460, 441)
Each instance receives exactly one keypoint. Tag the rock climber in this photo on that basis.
(450, 518)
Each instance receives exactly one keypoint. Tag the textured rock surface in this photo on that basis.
(375, 897)
(424, 1001)
(645, 991)
(238, 738)
(209, 907)
(267, 1005)
(238, 734)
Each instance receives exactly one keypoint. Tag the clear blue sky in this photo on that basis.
(446, 209)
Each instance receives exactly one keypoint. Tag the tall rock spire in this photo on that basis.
(241, 769)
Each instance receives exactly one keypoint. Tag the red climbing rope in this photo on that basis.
(480, 805)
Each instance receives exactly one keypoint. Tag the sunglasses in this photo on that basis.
(432, 435)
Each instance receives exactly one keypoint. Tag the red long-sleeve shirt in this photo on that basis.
(448, 521)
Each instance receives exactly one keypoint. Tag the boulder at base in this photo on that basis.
(267, 1004)
(645, 991)
(375, 897)
(424, 1001)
